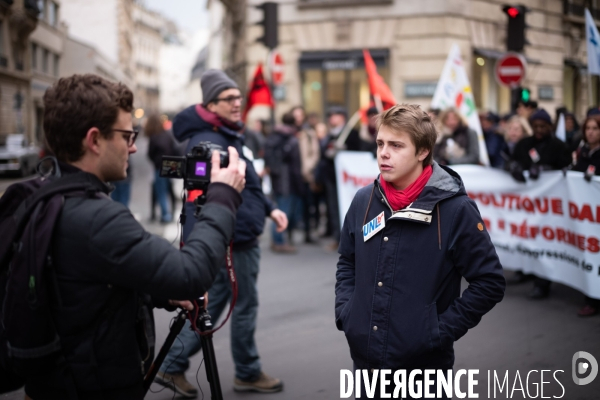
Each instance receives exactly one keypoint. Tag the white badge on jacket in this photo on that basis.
(373, 226)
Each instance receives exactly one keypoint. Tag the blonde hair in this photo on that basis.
(409, 118)
(522, 122)
(444, 114)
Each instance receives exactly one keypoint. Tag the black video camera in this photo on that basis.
(194, 168)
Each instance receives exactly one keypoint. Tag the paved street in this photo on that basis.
(298, 341)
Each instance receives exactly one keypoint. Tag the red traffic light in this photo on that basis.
(513, 12)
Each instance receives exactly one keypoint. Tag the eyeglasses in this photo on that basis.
(230, 99)
(129, 136)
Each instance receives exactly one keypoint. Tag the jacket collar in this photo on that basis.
(103, 187)
(443, 183)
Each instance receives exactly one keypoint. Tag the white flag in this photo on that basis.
(593, 44)
(561, 131)
(453, 90)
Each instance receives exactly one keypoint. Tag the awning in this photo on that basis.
(350, 59)
(495, 55)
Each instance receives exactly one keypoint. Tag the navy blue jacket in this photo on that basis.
(250, 218)
(398, 294)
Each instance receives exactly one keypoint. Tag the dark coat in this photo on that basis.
(326, 168)
(553, 152)
(159, 145)
(405, 280)
(585, 158)
(282, 157)
(495, 145)
(465, 138)
(99, 249)
(251, 215)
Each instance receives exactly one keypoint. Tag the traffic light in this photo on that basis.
(270, 37)
(525, 95)
(515, 34)
(519, 95)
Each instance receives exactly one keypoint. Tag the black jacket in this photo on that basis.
(326, 168)
(553, 152)
(100, 252)
(398, 296)
(251, 216)
(282, 156)
(159, 145)
(585, 158)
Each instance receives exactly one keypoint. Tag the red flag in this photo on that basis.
(377, 86)
(259, 92)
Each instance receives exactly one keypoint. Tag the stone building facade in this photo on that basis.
(106, 25)
(321, 42)
(149, 28)
(47, 46)
(18, 19)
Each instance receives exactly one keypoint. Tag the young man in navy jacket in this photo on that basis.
(407, 241)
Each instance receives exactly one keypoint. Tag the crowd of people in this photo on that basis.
(299, 155)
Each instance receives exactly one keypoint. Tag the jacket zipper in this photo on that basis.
(384, 199)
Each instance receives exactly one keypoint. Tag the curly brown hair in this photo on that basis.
(74, 105)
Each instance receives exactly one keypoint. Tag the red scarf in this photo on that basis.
(399, 199)
(217, 121)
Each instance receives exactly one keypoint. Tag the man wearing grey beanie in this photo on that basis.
(218, 120)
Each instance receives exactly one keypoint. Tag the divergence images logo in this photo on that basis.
(581, 367)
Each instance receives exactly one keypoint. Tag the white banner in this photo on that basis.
(453, 90)
(550, 227)
(593, 44)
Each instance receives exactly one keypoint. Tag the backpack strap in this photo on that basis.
(67, 184)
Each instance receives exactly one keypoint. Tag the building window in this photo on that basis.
(42, 8)
(45, 57)
(488, 94)
(56, 65)
(53, 14)
(34, 56)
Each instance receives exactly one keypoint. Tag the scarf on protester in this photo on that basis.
(399, 199)
(217, 121)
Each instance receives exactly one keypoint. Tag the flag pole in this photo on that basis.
(590, 91)
(271, 88)
(346, 131)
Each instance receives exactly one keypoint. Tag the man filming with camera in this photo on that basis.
(109, 269)
(218, 120)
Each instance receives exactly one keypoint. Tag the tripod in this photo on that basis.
(203, 323)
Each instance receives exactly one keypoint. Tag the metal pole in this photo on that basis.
(590, 91)
(270, 62)
(210, 360)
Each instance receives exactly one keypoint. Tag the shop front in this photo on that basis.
(338, 78)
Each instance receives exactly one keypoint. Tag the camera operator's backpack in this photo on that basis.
(29, 343)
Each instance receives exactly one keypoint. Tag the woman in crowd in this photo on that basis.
(458, 143)
(161, 143)
(588, 161)
(516, 129)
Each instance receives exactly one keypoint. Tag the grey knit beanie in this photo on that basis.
(213, 82)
